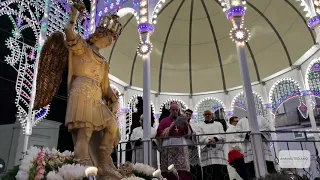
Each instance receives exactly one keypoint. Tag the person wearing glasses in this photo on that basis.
(232, 136)
(213, 159)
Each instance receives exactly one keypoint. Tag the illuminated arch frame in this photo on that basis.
(272, 89)
(306, 80)
(127, 10)
(206, 99)
(243, 106)
(129, 116)
(17, 34)
(172, 100)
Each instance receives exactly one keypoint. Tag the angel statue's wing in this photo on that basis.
(53, 60)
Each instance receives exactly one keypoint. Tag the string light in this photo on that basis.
(283, 90)
(124, 11)
(143, 11)
(305, 7)
(133, 101)
(239, 101)
(312, 77)
(144, 49)
(156, 10)
(207, 103)
(167, 103)
(240, 35)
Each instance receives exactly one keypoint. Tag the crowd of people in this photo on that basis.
(199, 151)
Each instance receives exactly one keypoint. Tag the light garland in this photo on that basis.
(133, 101)
(183, 105)
(59, 13)
(207, 103)
(20, 58)
(239, 101)
(240, 35)
(282, 91)
(143, 14)
(312, 77)
(306, 8)
(144, 49)
(124, 11)
(93, 16)
(156, 11)
(227, 4)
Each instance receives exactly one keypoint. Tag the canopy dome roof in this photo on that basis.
(192, 51)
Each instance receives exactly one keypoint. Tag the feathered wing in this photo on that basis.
(53, 60)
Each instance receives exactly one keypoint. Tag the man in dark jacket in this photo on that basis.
(219, 117)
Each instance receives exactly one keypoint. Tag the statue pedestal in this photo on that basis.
(45, 134)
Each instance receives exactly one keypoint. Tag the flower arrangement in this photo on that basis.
(50, 165)
(138, 170)
(45, 164)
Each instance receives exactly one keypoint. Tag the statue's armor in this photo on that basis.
(89, 73)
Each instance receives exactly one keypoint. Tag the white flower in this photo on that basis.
(26, 163)
(54, 151)
(132, 178)
(33, 151)
(72, 172)
(22, 175)
(53, 176)
(148, 170)
(46, 150)
(66, 153)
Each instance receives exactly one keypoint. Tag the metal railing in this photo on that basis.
(162, 154)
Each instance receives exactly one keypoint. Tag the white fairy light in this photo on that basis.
(207, 103)
(306, 8)
(294, 90)
(239, 98)
(156, 10)
(131, 105)
(183, 105)
(124, 11)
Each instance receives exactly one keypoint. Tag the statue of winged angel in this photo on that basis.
(92, 104)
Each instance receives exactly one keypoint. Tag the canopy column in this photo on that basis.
(235, 11)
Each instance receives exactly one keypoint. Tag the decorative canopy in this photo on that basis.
(193, 52)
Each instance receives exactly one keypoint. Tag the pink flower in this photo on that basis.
(40, 170)
(39, 177)
(41, 155)
(39, 162)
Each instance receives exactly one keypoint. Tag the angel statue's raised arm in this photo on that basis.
(92, 104)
